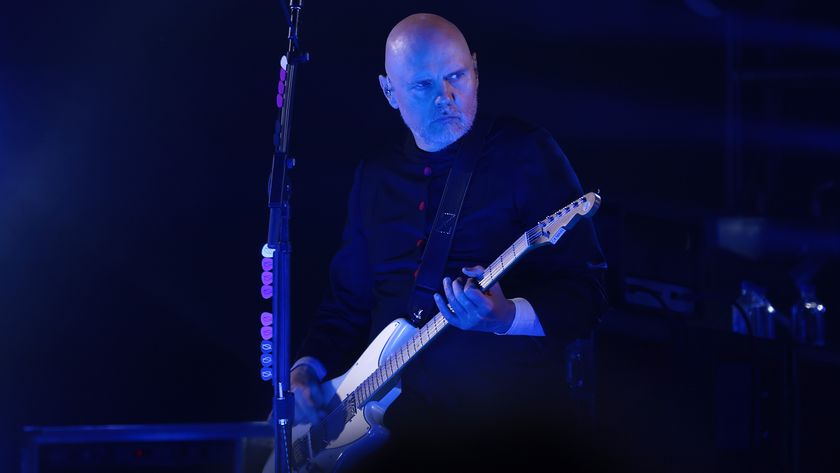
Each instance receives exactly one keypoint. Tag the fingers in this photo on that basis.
(313, 396)
(446, 311)
(467, 298)
(451, 297)
(474, 271)
(461, 299)
(305, 412)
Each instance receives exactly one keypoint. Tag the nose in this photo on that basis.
(445, 95)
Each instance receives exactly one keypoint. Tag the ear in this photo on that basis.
(475, 64)
(388, 90)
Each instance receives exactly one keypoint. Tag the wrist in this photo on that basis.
(508, 316)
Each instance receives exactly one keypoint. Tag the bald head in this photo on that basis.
(431, 78)
(416, 34)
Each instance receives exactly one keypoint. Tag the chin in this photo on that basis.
(448, 134)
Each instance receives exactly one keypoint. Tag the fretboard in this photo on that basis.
(395, 362)
(547, 231)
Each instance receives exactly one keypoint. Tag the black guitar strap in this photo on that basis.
(436, 252)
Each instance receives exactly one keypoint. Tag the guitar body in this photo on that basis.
(359, 398)
(363, 433)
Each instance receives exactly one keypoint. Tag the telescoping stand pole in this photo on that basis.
(278, 240)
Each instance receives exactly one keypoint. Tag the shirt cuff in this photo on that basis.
(313, 363)
(525, 320)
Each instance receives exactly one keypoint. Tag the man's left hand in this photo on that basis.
(471, 309)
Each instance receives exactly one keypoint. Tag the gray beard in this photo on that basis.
(438, 141)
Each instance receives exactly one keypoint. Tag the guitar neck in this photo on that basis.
(508, 258)
(394, 363)
(547, 231)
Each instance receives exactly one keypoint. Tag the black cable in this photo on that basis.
(744, 316)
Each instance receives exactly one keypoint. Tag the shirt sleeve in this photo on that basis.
(525, 321)
(564, 282)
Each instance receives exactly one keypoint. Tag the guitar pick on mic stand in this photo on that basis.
(276, 364)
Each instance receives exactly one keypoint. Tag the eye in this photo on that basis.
(423, 84)
(456, 76)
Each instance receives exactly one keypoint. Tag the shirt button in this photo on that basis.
(422, 206)
(421, 242)
(427, 171)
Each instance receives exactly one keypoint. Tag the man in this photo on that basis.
(499, 374)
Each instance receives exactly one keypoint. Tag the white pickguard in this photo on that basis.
(364, 432)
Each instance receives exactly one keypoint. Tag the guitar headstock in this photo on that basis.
(551, 228)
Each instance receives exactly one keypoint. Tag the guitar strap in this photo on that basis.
(436, 252)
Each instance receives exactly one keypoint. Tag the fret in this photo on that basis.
(376, 382)
(545, 232)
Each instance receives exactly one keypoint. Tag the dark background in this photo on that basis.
(135, 145)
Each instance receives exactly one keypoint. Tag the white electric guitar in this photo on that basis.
(353, 428)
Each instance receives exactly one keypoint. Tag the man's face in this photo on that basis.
(435, 86)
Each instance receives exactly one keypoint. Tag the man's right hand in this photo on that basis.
(309, 397)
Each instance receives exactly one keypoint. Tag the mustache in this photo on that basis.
(448, 113)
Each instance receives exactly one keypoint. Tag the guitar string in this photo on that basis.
(374, 381)
(367, 388)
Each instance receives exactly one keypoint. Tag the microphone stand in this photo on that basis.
(278, 239)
